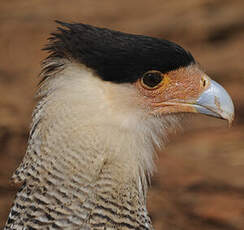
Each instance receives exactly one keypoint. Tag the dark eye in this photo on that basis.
(152, 78)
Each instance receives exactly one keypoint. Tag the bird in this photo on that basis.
(107, 101)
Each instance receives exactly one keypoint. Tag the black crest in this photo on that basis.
(116, 56)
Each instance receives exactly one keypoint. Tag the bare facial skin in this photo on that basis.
(183, 90)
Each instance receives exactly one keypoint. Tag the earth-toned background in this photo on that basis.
(199, 184)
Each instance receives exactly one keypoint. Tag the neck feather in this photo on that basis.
(87, 158)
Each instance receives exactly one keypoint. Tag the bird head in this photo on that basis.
(138, 73)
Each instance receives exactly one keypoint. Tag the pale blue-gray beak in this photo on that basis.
(215, 101)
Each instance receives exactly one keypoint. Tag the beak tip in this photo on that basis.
(230, 119)
(225, 107)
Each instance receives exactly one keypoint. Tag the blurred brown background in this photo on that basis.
(200, 179)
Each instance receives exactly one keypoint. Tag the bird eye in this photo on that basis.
(152, 78)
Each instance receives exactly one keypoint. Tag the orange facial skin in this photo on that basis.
(176, 93)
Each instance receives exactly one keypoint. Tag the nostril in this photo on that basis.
(203, 82)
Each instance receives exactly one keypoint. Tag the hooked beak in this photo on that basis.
(215, 101)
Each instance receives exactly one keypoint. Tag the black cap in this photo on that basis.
(116, 56)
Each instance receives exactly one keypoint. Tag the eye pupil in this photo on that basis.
(152, 79)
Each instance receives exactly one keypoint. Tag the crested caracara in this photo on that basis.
(107, 99)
